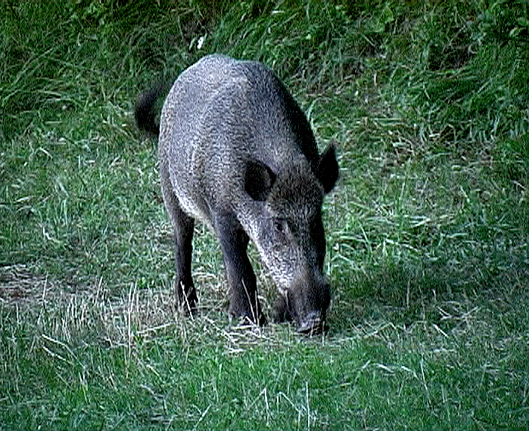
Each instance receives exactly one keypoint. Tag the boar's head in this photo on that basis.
(288, 231)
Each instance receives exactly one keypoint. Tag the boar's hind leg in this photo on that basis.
(241, 278)
(186, 295)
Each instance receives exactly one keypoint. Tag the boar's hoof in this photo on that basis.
(312, 324)
(245, 320)
(188, 309)
(187, 302)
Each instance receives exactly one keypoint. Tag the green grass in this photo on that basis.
(427, 229)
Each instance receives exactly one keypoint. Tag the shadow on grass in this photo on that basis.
(405, 294)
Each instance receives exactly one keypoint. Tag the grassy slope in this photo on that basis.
(427, 230)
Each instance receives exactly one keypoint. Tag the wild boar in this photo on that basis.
(236, 152)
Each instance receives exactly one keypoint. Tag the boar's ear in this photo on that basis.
(327, 171)
(258, 180)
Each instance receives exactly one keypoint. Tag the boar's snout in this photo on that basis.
(306, 306)
(313, 323)
(312, 307)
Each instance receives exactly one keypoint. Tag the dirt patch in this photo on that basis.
(19, 283)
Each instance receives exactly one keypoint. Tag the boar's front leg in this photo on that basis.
(241, 278)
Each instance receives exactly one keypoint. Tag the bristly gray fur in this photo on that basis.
(236, 152)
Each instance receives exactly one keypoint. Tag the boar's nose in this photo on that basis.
(312, 324)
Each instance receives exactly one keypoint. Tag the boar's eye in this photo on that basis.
(280, 225)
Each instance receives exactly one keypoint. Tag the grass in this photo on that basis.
(427, 230)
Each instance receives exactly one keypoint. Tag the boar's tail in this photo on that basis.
(145, 109)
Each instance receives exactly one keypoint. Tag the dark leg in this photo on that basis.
(186, 295)
(241, 278)
(185, 292)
